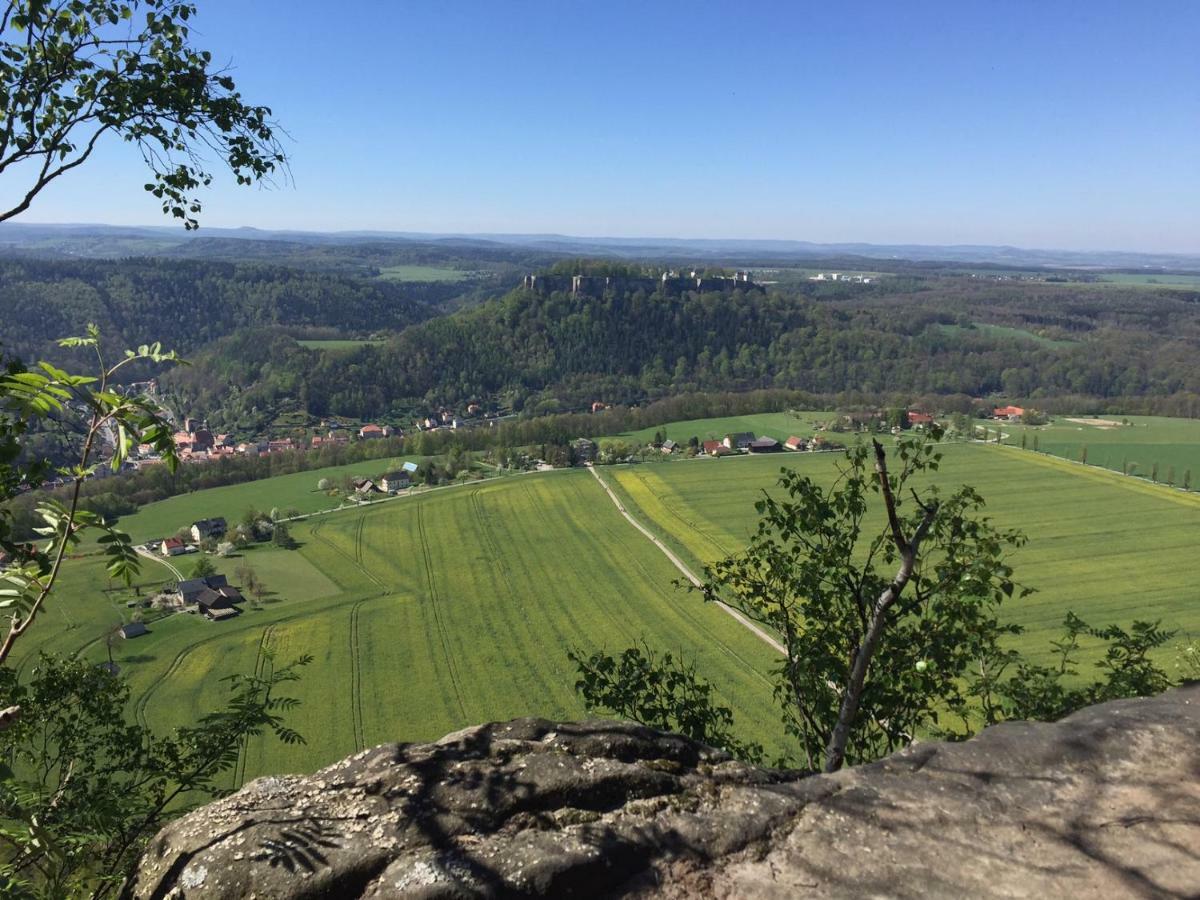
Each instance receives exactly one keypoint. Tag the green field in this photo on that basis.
(1152, 280)
(780, 426)
(423, 273)
(1108, 547)
(338, 345)
(297, 490)
(1146, 440)
(1003, 331)
(431, 612)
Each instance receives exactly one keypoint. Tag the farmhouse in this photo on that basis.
(366, 486)
(917, 418)
(173, 546)
(795, 443)
(739, 440)
(394, 482)
(669, 446)
(1008, 412)
(370, 431)
(764, 445)
(715, 448)
(134, 629)
(208, 528)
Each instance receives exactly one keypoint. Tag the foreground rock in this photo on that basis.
(1105, 803)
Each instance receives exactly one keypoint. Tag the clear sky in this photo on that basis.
(1056, 123)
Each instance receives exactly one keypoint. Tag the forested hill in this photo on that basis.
(187, 304)
(527, 350)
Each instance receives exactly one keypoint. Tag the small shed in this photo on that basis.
(134, 629)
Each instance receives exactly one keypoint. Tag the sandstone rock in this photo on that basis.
(1105, 803)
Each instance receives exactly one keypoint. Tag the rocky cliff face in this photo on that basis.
(1104, 803)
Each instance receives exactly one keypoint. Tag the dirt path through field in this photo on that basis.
(687, 573)
(146, 554)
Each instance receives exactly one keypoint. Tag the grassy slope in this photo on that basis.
(338, 344)
(421, 273)
(777, 425)
(1110, 548)
(297, 490)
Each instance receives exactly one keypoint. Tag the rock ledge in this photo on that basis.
(1104, 803)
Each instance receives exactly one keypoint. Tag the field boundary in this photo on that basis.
(682, 567)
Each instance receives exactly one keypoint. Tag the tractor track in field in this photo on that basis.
(260, 664)
(354, 558)
(437, 616)
(356, 709)
(670, 508)
(682, 567)
(139, 708)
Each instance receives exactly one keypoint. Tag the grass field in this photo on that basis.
(431, 612)
(423, 273)
(1172, 443)
(1003, 331)
(1152, 280)
(777, 425)
(294, 491)
(1108, 547)
(338, 345)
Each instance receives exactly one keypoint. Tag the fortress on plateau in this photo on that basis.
(667, 283)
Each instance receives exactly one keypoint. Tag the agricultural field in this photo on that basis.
(1147, 279)
(425, 614)
(455, 606)
(1174, 444)
(424, 273)
(1108, 547)
(297, 490)
(777, 425)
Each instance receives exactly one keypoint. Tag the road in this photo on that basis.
(687, 573)
(154, 557)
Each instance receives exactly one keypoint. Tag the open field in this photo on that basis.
(1110, 548)
(424, 273)
(1146, 440)
(297, 490)
(431, 612)
(1003, 331)
(777, 425)
(1152, 279)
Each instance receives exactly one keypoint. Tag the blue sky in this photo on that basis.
(1047, 124)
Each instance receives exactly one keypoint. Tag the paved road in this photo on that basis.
(687, 573)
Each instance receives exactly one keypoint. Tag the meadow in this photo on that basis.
(423, 273)
(1174, 444)
(297, 490)
(780, 426)
(339, 344)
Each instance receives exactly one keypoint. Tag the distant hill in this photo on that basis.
(536, 249)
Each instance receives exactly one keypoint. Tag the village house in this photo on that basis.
(366, 486)
(669, 446)
(795, 443)
(739, 441)
(213, 596)
(280, 445)
(173, 546)
(715, 448)
(919, 419)
(208, 528)
(1011, 413)
(370, 431)
(394, 482)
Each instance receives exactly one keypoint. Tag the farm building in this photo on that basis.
(366, 486)
(370, 431)
(1008, 412)
(715, 448)
(193, 589)
(738, 441)
(916, 418)
(669, 446)
(173, 546)
(134, 629)
(764, 445)
(393, 482)
(795, 443)
(208, 528)
(215, 605)
(585, 450)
